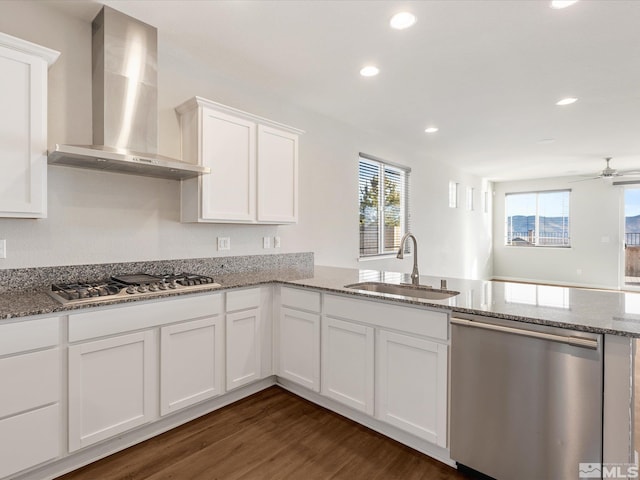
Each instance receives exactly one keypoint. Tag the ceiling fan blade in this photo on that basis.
(585, 179)
(629, 172)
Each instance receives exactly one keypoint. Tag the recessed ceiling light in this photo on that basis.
(558, 4)
(566, 101)
(402, 20)
(369, 71)
(431, 129)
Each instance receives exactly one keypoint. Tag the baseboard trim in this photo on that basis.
(552, 283)
(108, 447)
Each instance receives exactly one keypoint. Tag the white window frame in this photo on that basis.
(404, 203)
(536, 231)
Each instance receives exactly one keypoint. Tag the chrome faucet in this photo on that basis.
(415, 276)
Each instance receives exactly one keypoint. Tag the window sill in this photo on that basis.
(538, 247)
(380, 257)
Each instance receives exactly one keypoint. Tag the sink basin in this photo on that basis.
(406, 289)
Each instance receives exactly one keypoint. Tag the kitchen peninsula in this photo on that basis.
(266, 316)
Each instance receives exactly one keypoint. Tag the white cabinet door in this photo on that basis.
(191, 363)
(37, 384)
(411, 385)
(348, 363)
(23, 128)
(253, 161)
(277, 175)
(299, 336)
(111, 387)
(28, 439)
(243, 347)
(229, 149)
(30, 427)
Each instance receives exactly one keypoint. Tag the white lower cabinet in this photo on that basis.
(299, 335)
(30, 362)
(29, 439)
(348, 363)
(244, 338)
(411, 385)
(243, 347)
(191, 363)
(409, 365)
(111, 387)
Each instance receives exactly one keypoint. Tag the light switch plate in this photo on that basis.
(3, 249)
(276, 242)
(266, 242)
(224, 243)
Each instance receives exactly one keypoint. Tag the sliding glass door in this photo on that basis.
(632, 237)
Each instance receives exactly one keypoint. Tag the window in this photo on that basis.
(453, 195)
(537, 219)
(471, 192)
(384, 212)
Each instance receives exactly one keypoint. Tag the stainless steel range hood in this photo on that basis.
(125, 104)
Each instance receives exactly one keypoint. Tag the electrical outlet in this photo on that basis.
(224, 243)
(266, 242)
(3, 249)
(276, 242)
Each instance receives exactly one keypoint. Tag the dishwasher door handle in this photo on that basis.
(591, 343)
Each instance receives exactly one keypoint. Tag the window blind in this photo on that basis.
(384, 205)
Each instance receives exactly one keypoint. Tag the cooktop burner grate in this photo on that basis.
(121, 286)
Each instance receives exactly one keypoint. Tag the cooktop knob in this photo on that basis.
(163, 285)
(143, 288)
(173, 284)
(131, 289)
(154, 287)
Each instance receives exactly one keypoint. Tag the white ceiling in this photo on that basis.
(487, 73)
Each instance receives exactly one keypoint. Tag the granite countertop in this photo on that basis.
(591, 310)
(23, 304)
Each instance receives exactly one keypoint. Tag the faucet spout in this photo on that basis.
(415, 276)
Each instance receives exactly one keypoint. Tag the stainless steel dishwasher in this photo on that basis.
(526, 400)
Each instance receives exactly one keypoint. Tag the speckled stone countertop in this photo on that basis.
(590, 310)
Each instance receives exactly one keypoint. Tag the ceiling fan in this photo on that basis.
(610, 173)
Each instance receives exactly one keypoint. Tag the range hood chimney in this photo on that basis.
(125, 104)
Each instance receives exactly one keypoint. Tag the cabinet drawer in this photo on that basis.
(29, 439)
(29, 381)
(243, 299)
(418, 321)
(28, 335)
(300, 299)
(126, 318)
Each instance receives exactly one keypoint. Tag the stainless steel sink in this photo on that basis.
(408, 290)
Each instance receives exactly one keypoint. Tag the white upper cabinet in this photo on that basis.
(277, 175)
(229, 149)
(23, 127)
(253, 162)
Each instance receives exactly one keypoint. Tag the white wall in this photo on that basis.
(596, 240)
(97, 217)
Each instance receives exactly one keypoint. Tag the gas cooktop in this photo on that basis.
(140, 285)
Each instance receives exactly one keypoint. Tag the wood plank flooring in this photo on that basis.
(270, 435)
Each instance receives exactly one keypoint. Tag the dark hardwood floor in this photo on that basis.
(270, 435)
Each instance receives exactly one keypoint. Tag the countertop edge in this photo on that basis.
(49, 306)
